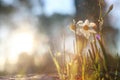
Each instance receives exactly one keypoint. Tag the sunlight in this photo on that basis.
(20, 42)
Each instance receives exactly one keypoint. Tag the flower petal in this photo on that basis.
(86, 22)
(72, 27)
(80, 25)
(80, 22)
(86, 34)
(92, 31)
(82, 30)
(92, 24)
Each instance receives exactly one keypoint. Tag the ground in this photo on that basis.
(29, 77)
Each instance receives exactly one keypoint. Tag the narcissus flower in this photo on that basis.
(84, 28)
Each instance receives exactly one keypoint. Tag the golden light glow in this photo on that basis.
(21, 41)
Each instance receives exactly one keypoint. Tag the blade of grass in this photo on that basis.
(57, 65)
(104, 55)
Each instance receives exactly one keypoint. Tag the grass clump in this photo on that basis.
(91, 60)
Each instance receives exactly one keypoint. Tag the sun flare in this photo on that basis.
(20, 42)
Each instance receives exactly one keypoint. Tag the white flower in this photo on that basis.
(85, 28)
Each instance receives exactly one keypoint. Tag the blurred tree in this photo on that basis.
(87, 9)
(5, 9)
